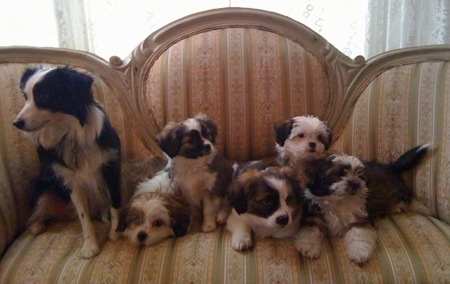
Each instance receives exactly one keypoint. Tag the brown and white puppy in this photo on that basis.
(198, 171)
(336, 196)
(155, 212)
(301, 140)
(266, 203)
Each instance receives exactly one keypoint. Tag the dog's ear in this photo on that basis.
(168, 139)
(123, 222)
(242, 189)
(328, 138)
(283, 130)
(180, 214)
(209, 127)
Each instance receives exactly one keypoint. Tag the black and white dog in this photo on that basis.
(78, 148)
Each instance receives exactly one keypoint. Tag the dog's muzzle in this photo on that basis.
(282, 220)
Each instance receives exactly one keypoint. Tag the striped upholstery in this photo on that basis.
(246, 79)
(404, 107)
(411, 249)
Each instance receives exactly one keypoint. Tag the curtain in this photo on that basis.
(393, 24)
(115, 27)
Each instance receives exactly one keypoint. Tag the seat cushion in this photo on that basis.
(411, 248)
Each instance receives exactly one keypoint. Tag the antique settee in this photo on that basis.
(247, 69)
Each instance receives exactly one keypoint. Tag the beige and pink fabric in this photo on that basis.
(247, 69)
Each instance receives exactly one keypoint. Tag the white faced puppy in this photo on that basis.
(335, 204)
(300, 140)
(198, 171)
(78, 148)
(155, 212)
(265, 203)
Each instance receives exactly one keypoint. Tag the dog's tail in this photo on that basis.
(410, 159)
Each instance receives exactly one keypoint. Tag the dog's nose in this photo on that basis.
(142, 236)
(19, 123)
(207, 149)
(282, 220)
(312, 145)
(353, 184)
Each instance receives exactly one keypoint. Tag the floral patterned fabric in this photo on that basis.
(411, 249)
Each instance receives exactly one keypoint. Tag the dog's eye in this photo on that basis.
(41, 97)
(267, 202)
(290, 200)
(301, 135)
(158, 223)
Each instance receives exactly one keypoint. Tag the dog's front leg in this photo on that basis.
(360, 242)
(211, 205)
(90, 246)
(241, 233)
(308, 241)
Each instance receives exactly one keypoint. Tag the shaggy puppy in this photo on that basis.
(345, 196)
(198, 171)
(301, 140)
(78, 148)
(155, 212)
(266, 203)
(336, 204)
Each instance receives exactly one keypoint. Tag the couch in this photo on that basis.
(247, 69)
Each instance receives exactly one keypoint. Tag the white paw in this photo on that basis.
(241, 242)
(308, 242)
(89, 249)
(208, 226)
(359, 255)
(307, 248)
(360, 242)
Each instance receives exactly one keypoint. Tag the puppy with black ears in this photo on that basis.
(78, 148)
(155, 212)
(301, 140)
(336, 197)
(344, 197)
(266, 203)
(197, 170)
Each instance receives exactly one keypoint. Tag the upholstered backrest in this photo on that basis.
(245, 68)
(405, 102)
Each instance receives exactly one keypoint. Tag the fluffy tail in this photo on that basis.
(410, 159)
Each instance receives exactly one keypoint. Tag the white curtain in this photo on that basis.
(393, 24)
(115, 27)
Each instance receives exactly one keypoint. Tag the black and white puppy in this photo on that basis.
(265, 203)
(78, 148)
(301, 140)
(345, 196)
(198, 171)
(155, 212)
(336, 197)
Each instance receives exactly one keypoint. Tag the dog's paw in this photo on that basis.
(114, 235)
(89, 249)
(241, 242)
(208, 226)
(360, 244)
(37, 227)
(309, 242)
